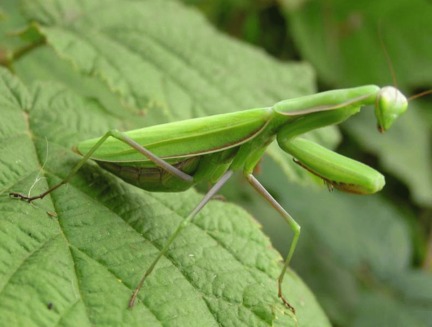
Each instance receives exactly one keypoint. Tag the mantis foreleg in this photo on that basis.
(336, 170)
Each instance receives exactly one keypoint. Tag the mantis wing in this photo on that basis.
(184, 139)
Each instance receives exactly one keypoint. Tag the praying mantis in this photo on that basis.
(175, 156)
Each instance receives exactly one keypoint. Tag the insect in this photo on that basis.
(175, 156)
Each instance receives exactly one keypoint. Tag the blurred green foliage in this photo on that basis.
(368, 260)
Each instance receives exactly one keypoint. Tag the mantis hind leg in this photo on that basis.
(216, 187)
(292, 223)
(121, 137)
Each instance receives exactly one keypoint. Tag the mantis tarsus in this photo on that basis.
(175, 156)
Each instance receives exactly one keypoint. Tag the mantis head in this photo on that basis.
(390, 104)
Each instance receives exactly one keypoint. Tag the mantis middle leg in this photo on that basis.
(292, 223)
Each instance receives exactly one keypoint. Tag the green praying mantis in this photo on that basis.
(175, 156)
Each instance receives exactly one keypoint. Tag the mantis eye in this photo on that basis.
(390, 104)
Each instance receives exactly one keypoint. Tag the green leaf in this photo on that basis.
(410, 303)
(343, 40)
(75, 256)
(175, 67)
(410, 307)
(11, 20)
(177, 63)
(44, 65)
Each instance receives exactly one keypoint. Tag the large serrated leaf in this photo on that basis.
(76, 255)
(177, 63)
(174, 67)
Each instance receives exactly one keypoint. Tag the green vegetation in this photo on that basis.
(74, 69)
